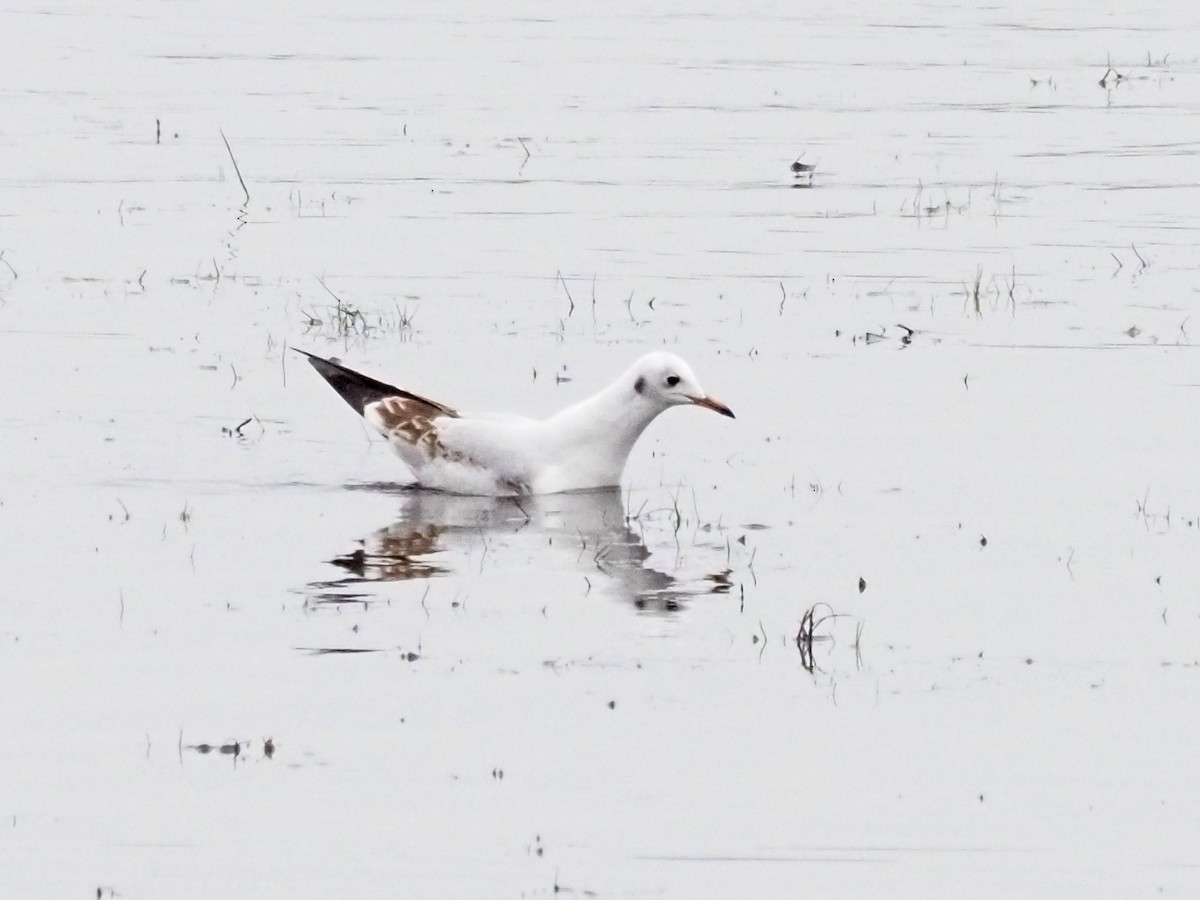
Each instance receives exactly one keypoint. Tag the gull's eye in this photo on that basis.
(672, 380)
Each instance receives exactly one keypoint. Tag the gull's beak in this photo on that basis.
(714, 404)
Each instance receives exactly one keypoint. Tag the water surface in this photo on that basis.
(241, 660)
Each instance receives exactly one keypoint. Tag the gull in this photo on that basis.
(582, 447)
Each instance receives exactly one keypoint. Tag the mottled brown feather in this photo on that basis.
(410, 419)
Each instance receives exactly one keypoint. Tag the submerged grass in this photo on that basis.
(813, 619)
(344, 320)
(997, 292)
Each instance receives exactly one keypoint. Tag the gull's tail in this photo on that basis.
(360, 391)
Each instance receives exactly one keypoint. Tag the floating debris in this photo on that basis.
(344, 651)
(233, 748)
(803, 173)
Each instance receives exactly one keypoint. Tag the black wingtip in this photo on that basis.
(359, 391)
(355, 388)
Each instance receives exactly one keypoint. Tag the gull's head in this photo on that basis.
(666, 380)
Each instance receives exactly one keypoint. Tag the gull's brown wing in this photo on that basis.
(399, 414)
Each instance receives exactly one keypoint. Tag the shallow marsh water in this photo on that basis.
(602, 693)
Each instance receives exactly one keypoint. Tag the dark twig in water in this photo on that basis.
(804, 639)
(522, 511)
(236, 431)
(328, 290)
(348, 319)
(806, 636)
(570, 299)
(973, 292)
(338, 651)
(236, 170)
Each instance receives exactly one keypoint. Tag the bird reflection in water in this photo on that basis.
(587, 529)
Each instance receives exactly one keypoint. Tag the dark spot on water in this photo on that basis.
(338, 651)
(233, 748)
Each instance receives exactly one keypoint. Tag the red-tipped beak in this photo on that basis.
(714, 404)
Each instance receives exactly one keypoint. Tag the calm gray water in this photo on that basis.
(239, 661)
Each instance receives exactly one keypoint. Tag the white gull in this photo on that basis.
(582, 447)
